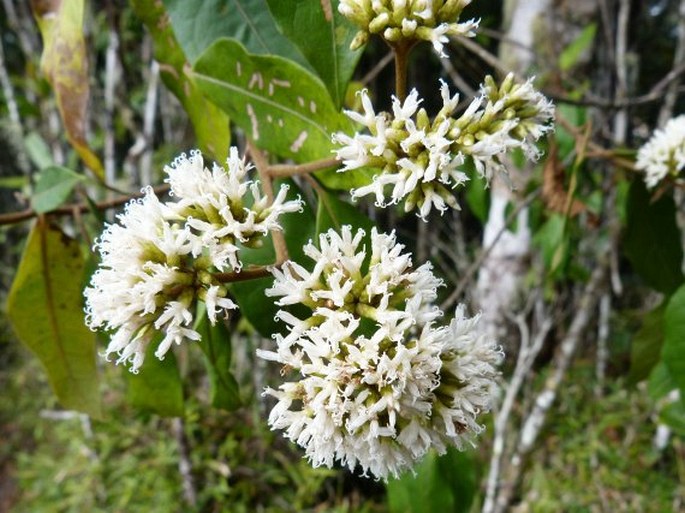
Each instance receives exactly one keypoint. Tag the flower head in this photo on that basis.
(421, 160)
(372, 380)
(664, 153)
(408, 20)
(159, 259)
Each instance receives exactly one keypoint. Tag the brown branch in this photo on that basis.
(287, 170)
(68, 210)
(251, 273)
(262, 164)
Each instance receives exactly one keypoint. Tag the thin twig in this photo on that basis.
(380, 65)
(526, 357)
(251, 273)
(287, 170)
(535, 420)
(68, 210)
(185, 467)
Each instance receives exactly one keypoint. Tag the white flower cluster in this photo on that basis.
(664, 153)
(375, 382)
(160, 258)
(421, 159)
(408, 20)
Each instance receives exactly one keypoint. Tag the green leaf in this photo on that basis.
(446, 484)
(478, 197)
(660, 381)
(157, 387)
(281, 106)
(13, 182)
(224, 391)
(346, 180)
(652, 239)
(254, 305)
(646, 345)
(210, 123)
(323, 35)
(673, 351)
(198, 24)
(45, 307)
(53, 187)
(552, 238)
(573, 52)
(334, 213)
(38, 150)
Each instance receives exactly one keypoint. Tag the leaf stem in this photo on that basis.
(262, 164)
(252, 273)
(287, 170)
(401, 50)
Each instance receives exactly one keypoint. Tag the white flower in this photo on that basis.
(369, 372)
(161, 258)
(664, 153)
(409, 20)
(422, 160)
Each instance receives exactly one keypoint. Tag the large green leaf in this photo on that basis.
(281, 106)
(652, 239)
(446, 484)
(210, 123)
(323, 35)
(216, 346)
(45, 307)
(334, 213)
(198, 24)
(53, 187)
(65, 64)
(646, 345)
(673, 351)
(254, 305)
(157, 387)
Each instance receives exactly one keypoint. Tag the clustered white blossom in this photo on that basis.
(408, 20)
(161, 257)
(664, 153)
(422, 159)
(372, 380)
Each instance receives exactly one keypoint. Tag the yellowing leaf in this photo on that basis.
(45, 307)
(65, 65)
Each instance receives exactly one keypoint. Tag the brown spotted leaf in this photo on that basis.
(281, 106)
(65, 65)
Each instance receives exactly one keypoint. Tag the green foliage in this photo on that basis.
(210, 123)
(216, 347)
(445, 483)
(553, 240)
(157, 386)
(600, 451)
(54, 186)
(281, 106)
(250, 296)
(45, 309)
(335, 213)
(323, 35)
(646, 345)
(581, 44)
(199, 24)
(674, 338)
(652, 239)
